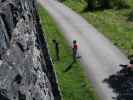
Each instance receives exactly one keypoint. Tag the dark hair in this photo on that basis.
(54, 40)
(74, 41)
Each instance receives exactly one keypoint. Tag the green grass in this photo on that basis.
(73, 84)
(112, 23)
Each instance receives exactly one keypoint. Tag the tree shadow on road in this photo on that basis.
(122, 84)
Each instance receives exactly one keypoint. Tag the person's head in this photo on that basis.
(74, 41)
(54, 41)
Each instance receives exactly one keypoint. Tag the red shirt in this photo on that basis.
(75, 46)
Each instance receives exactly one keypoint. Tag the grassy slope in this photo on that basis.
(74, 85)
(113, 23)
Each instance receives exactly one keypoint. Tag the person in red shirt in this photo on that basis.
(75, 48)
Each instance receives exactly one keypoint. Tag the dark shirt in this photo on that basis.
(75, 46)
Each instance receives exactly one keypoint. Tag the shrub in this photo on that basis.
(130, 17)
(106, 4)
(91, 4)
(121, 4)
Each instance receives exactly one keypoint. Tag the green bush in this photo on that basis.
(130, 18)
(91, 4)
(106, 4)
(121, 4)
(113, 4)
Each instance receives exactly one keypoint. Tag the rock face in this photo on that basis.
(26, 71)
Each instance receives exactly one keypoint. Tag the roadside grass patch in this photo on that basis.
(73, 84)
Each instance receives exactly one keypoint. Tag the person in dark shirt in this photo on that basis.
(56, 46)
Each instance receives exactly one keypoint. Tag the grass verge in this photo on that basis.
(112, 23)
(73, 84)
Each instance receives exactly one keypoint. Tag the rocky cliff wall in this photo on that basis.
(26, 71)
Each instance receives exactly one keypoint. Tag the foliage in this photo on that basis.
(130, 18)
(106, 4)
(91, 4)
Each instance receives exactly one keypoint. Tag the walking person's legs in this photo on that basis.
(74, 55)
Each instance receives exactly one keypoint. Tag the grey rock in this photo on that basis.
(26, 71)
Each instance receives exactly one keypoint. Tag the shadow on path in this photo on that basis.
(122, 84)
